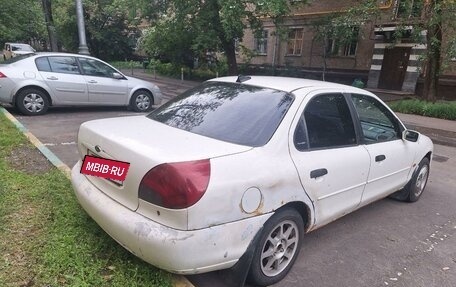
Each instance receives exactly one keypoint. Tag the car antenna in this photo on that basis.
(241, 79)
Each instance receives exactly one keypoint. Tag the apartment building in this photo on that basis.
(373, 56)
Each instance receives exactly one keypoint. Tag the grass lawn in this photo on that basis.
(46, 239)
(442, 110)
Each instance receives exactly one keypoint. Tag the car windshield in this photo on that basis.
(21, 47)
(232, 112)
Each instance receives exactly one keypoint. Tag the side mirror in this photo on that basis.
(411, 136)
(117, 76)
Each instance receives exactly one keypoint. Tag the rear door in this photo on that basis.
(103, 87)
(62, 75)
(332, 167)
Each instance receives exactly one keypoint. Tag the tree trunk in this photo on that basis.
(227, 44)
(47, 9)
(434, 46)
(230, 52)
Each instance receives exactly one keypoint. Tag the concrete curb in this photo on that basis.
(178, 281)
(38, 144)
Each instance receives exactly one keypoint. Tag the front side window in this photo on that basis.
(92, 67)
(295, 38)
(261, 43)
(377, 122)
(328, 121)
(66, 65)
(231, 112)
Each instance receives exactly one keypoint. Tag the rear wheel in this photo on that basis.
(32, 102)
(278, 248)
(141, 101)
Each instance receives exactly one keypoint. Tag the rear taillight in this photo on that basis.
(176, 185)
(2, 75)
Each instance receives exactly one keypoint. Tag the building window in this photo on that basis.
(409, 8)
(295, 38)
(339, 47)
(261, 43)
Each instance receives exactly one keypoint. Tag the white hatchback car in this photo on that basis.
(34, 82)
(240, 168)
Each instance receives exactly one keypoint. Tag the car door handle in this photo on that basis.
(52, 78)
(381, 157)
(92, 82)
(318, 172)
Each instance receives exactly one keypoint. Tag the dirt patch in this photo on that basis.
(28, 159)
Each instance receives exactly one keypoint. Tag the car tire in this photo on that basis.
(278, 248)
(415, 187)
(141, 101)
(32, 102)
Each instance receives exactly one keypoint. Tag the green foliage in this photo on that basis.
(344, 26)
(443, 110)
(191, 29)
(109, 35)
(46, 239)
(21, 21)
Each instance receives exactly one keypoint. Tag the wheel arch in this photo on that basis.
(303, 209)
(32, 87)
(141, 89)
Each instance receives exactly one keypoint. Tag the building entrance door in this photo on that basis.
(394, 67)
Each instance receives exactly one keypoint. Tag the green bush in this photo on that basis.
(442, 110)
(127, 65)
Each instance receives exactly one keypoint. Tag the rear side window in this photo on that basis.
(231, 112)
(329, 122)
(42, 64)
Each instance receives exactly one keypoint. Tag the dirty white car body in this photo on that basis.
(257, 196)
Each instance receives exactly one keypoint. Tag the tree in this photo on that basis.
(431, 17)
(21, 21)
(109, 35)
(216, 25)
(47, 9)
(343, 28)
(437, 14)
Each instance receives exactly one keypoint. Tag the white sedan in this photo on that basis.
(246, 165)
(34, 82)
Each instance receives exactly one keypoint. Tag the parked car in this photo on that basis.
(11, 50)
(34, 82)
(246, 164)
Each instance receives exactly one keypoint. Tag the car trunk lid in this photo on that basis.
(144, 143)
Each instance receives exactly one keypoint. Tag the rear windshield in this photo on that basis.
(231, 112)
(17, 58)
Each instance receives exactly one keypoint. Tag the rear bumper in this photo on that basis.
(177, 251)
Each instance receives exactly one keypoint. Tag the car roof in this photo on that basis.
(287, 84)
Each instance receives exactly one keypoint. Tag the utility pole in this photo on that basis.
(83, 49)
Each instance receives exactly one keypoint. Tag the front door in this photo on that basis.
(394, 67)
(391, 157)
(103, 87)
